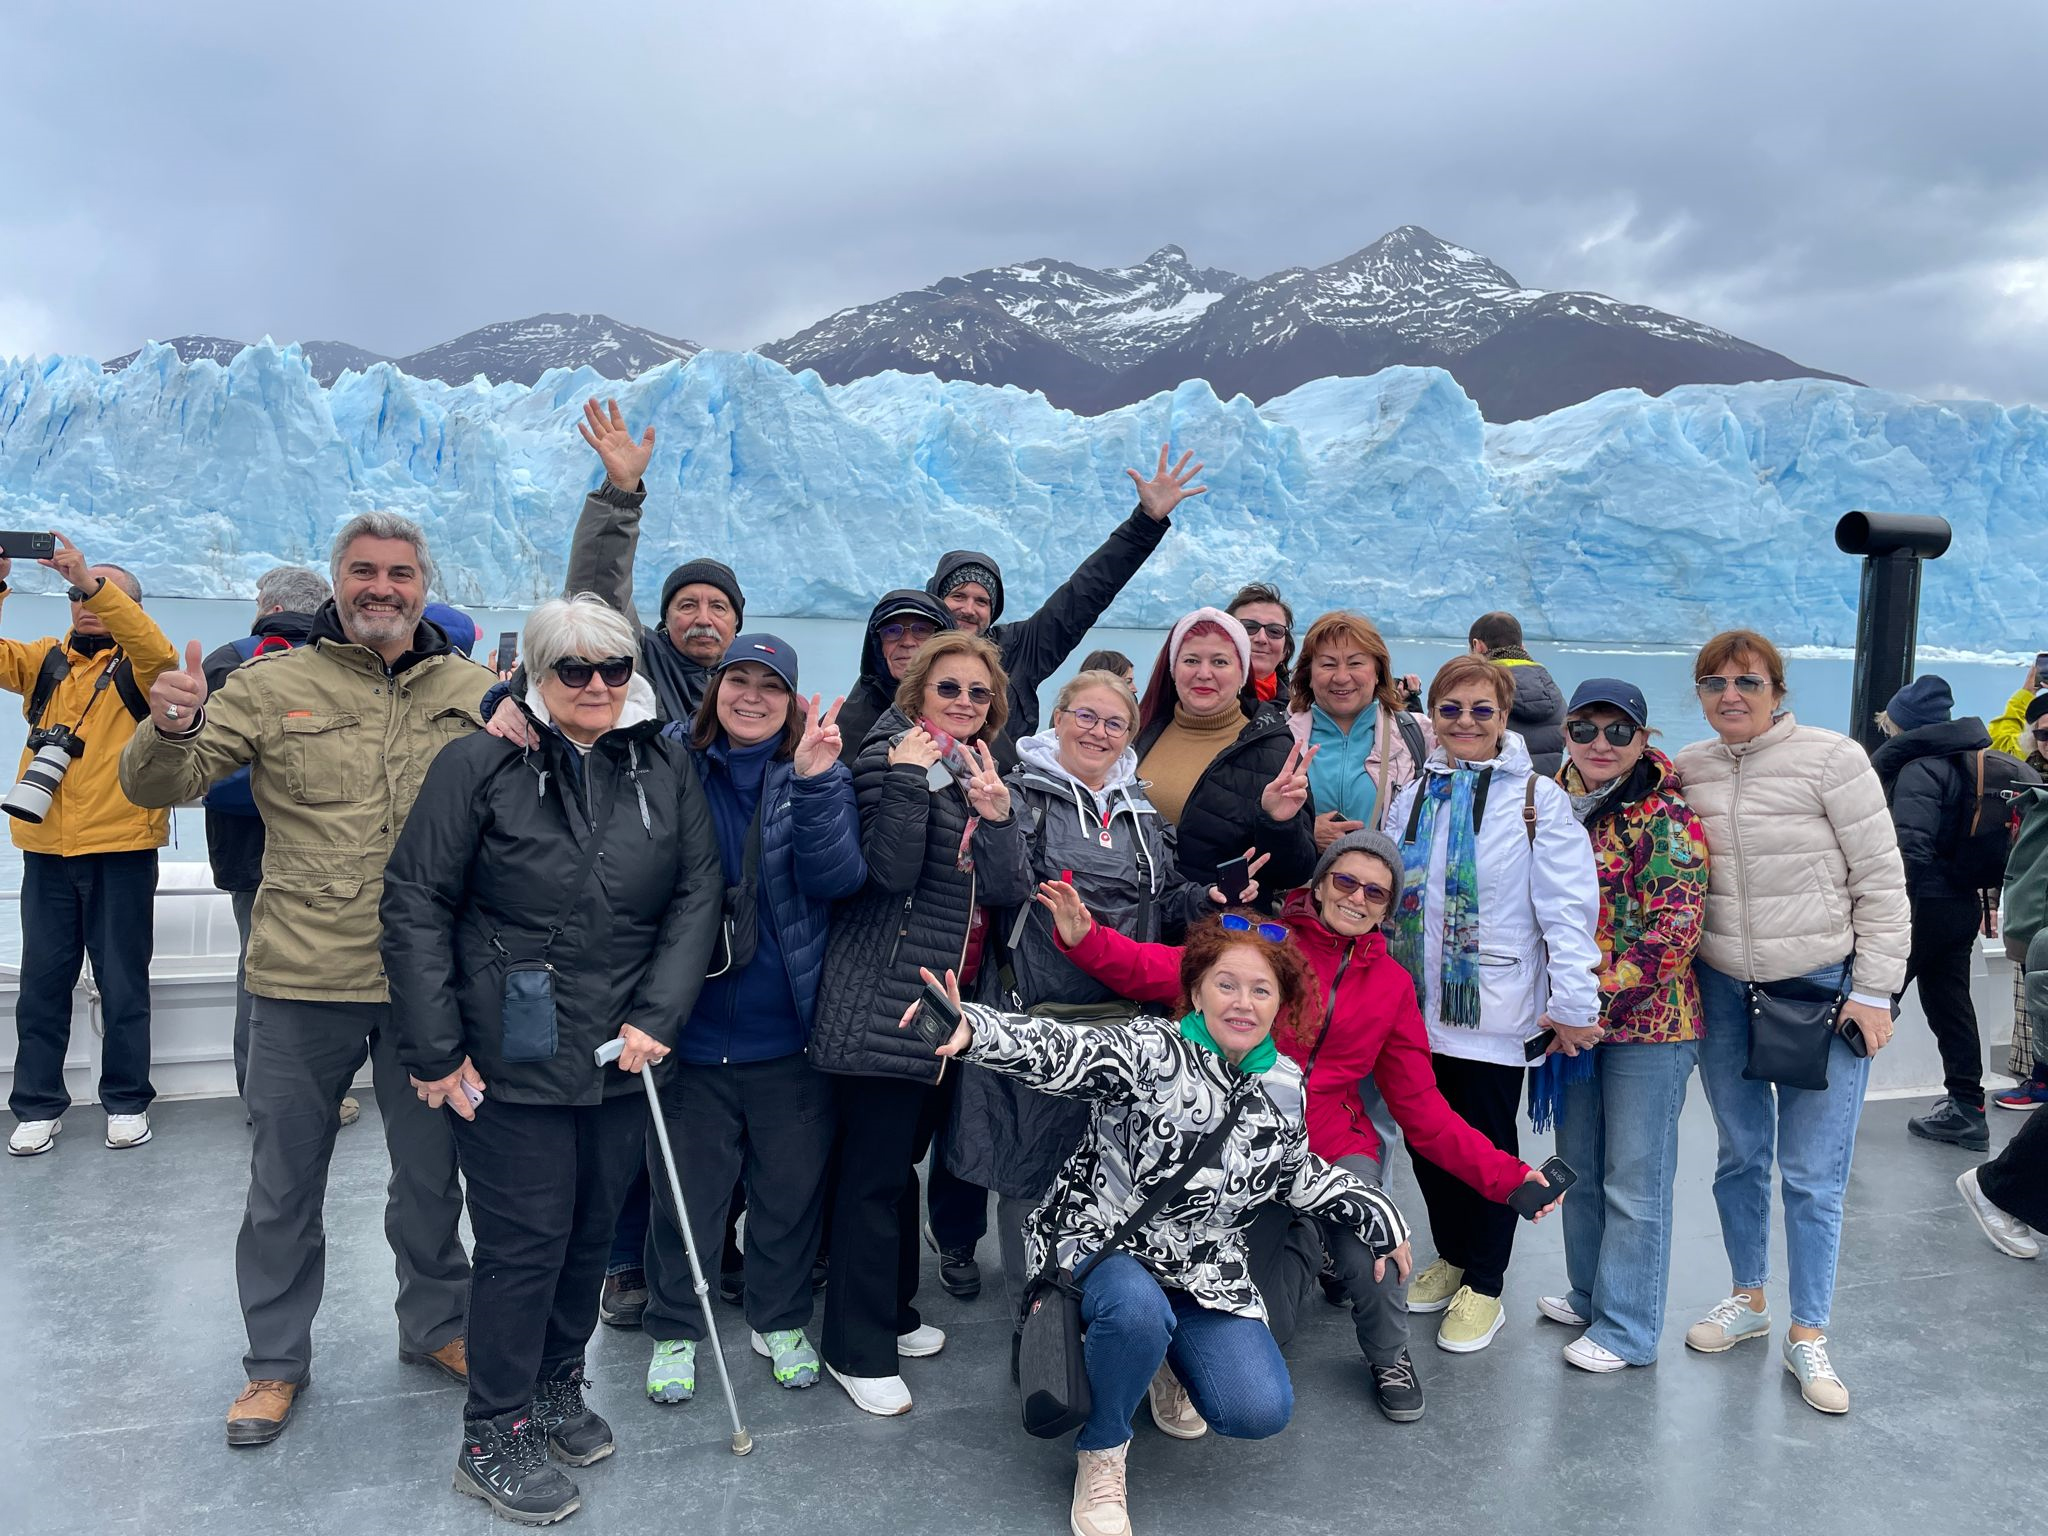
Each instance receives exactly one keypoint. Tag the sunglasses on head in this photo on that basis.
(1346, 885)
(1270, 631)
(919, 630)
(1237, 922)
(1480, 712)
(1618, 732)
(1748, 683)
(1111, 726)
(575, 672)
(952, 688)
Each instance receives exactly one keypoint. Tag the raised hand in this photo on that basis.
(1330, 826)
(67, 561)
(1288, 793)
(914, 748)
(1167, 488)
(1071, 919)
(819, 747)
(176, 696)
(625, 461)
(986, 791)
(1250, 898)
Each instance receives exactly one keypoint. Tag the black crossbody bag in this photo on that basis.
(1052, 1373)
(1791, 1024)
(527, 1021)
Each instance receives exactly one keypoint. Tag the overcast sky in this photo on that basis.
(1861, 186)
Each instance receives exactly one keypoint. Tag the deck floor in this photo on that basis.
(121, 1347)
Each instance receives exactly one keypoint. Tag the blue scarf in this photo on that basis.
(1459, 984)
(1547, 1081)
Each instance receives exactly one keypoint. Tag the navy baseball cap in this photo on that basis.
(1626, 697)
(771, 651)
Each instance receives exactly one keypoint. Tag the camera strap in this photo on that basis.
(57, 666)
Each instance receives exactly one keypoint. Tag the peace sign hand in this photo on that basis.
(986, 791)
(818, 749)
(625, 461)
(1167, 488)
(1288, 793)
(176, 696)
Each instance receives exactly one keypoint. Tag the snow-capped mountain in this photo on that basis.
(328, 359)
(520, 351)
(189, 349)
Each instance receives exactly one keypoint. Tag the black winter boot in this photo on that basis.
(575, 1434)
(1957, 1123)
(504, 1462)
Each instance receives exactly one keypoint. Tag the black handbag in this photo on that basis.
(1052, 1372)
(1791, 1024)
(526, 1021)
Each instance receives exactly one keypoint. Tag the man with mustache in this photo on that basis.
(337, 735)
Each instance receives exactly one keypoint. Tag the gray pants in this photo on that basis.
(1011, 1214)
(302, 1056)
(1379, 1308)
(244, 903)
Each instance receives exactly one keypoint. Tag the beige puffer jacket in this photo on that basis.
(1803, 862)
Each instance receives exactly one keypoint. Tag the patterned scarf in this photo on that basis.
(1459, 984)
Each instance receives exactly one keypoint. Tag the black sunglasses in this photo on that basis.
(920, 631)
(1619, 732)
(575, 672)
(1270, 631)
(951, 688)
(1348, 884)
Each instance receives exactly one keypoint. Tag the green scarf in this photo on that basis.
(1259, 1058)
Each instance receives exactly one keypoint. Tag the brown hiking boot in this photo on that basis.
(451, 1359)
(261, 1412)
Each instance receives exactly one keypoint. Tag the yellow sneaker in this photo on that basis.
(1470, 1322)
(1432, 1290)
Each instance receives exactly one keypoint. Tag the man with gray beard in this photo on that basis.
(337, 735)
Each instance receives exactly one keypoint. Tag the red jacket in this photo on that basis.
(1376, 1031)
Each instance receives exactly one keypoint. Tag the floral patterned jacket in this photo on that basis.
(1650, 852)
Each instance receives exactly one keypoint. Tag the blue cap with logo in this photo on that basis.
(1626, 697)
(770, 651)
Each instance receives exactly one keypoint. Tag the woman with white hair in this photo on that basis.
(539, 901)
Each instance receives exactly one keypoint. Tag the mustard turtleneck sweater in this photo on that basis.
(1183, 752)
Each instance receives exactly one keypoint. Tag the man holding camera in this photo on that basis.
(88, 856)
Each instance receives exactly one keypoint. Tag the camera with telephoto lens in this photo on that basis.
(54, 748)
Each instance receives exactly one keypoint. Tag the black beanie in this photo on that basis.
(710, 573)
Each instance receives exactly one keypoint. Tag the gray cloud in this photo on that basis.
(1858, 186)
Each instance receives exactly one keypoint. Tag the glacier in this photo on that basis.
(1625, 518)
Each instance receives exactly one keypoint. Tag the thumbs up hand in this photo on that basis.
(176, 697)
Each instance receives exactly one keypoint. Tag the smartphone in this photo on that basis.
(1537, 1046)
(474, 1094)
(1234, 878)
(28, 546)
(937, 1018)
(1528, 1199)
(2040, 657)
(508, 651)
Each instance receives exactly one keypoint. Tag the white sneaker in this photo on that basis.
(885, 1396)
(1588, 1356)
(2008, 1234)
(921, 1341)
(33, 1137)
(1559, 1310)
(127, 1130)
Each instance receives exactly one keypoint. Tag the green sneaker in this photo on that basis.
(1470, 1322)
(790, 1354)
(1432, 1290)
(672, 1373)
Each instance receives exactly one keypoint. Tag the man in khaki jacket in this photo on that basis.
(337, 735)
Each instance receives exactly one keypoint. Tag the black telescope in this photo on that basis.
(1892, 545)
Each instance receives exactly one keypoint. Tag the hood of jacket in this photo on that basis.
(874, 670)
(1316, 938)
(1511, 762)
(1042, 752)
(295, 627)
(951, 561)
(1969, 734)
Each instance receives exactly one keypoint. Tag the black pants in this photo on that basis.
(2016, 1181)
(885, 1127)
(98, 904)
(772, 1119)
(544, 1184)
(1285, 1250)
(1944, 933)
(1471, 1232)
(958, 1210)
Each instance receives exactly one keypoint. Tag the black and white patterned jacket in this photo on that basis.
(1156, 1095)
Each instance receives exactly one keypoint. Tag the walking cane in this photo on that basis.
(609, 1052)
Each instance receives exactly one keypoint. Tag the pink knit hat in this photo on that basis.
(1222, 621)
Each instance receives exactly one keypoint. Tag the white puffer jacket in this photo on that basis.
(1803, 863)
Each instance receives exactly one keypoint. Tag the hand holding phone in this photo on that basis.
(1234, 877)
(936, 1018)
(508, 653)
(1537, 1046)
(1526, 1200)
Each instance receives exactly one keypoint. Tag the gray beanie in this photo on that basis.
(1365, 840)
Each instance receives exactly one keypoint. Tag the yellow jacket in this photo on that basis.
(90, 814)
(2009, 730)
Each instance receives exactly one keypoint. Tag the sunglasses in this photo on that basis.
(1618, 732)
(2041, 735)
(952, 688)
(1480, 712)
(574, 672)
(1347, 885)
(1270, 631)
(1111, 726)
(1237, 922)
(889, 634)
(1748, 684)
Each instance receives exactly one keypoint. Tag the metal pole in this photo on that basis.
(1893, 546)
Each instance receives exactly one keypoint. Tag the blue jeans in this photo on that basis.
(1619, 1131)
(1811, 1132)
(1229, 1364)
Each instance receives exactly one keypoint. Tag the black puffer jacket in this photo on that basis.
(875, 692)
(915, 910)
(1537, 716)
(1930, 787)
(482, 870)
(1222, 816)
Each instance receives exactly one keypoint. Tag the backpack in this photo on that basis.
(57, 666)
(1984, 837)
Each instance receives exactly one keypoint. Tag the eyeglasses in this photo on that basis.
(1480, 712)
(1270, 631)
(1618, 732)
(952, 688)
(2041, 735)
(1237, 922)
(1347, 885)
(1111, 726)
(919, 631)
(575, 672)
(1748, 684)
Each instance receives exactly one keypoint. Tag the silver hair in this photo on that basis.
(381, 525)
(294, 588)
(584, 625)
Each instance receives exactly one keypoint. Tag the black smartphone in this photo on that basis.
(2040, 657)
(28, 546)
(508, 651)
(1528, 1199)
(937, 1018)
(1234, 878)
(1537, 1046)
